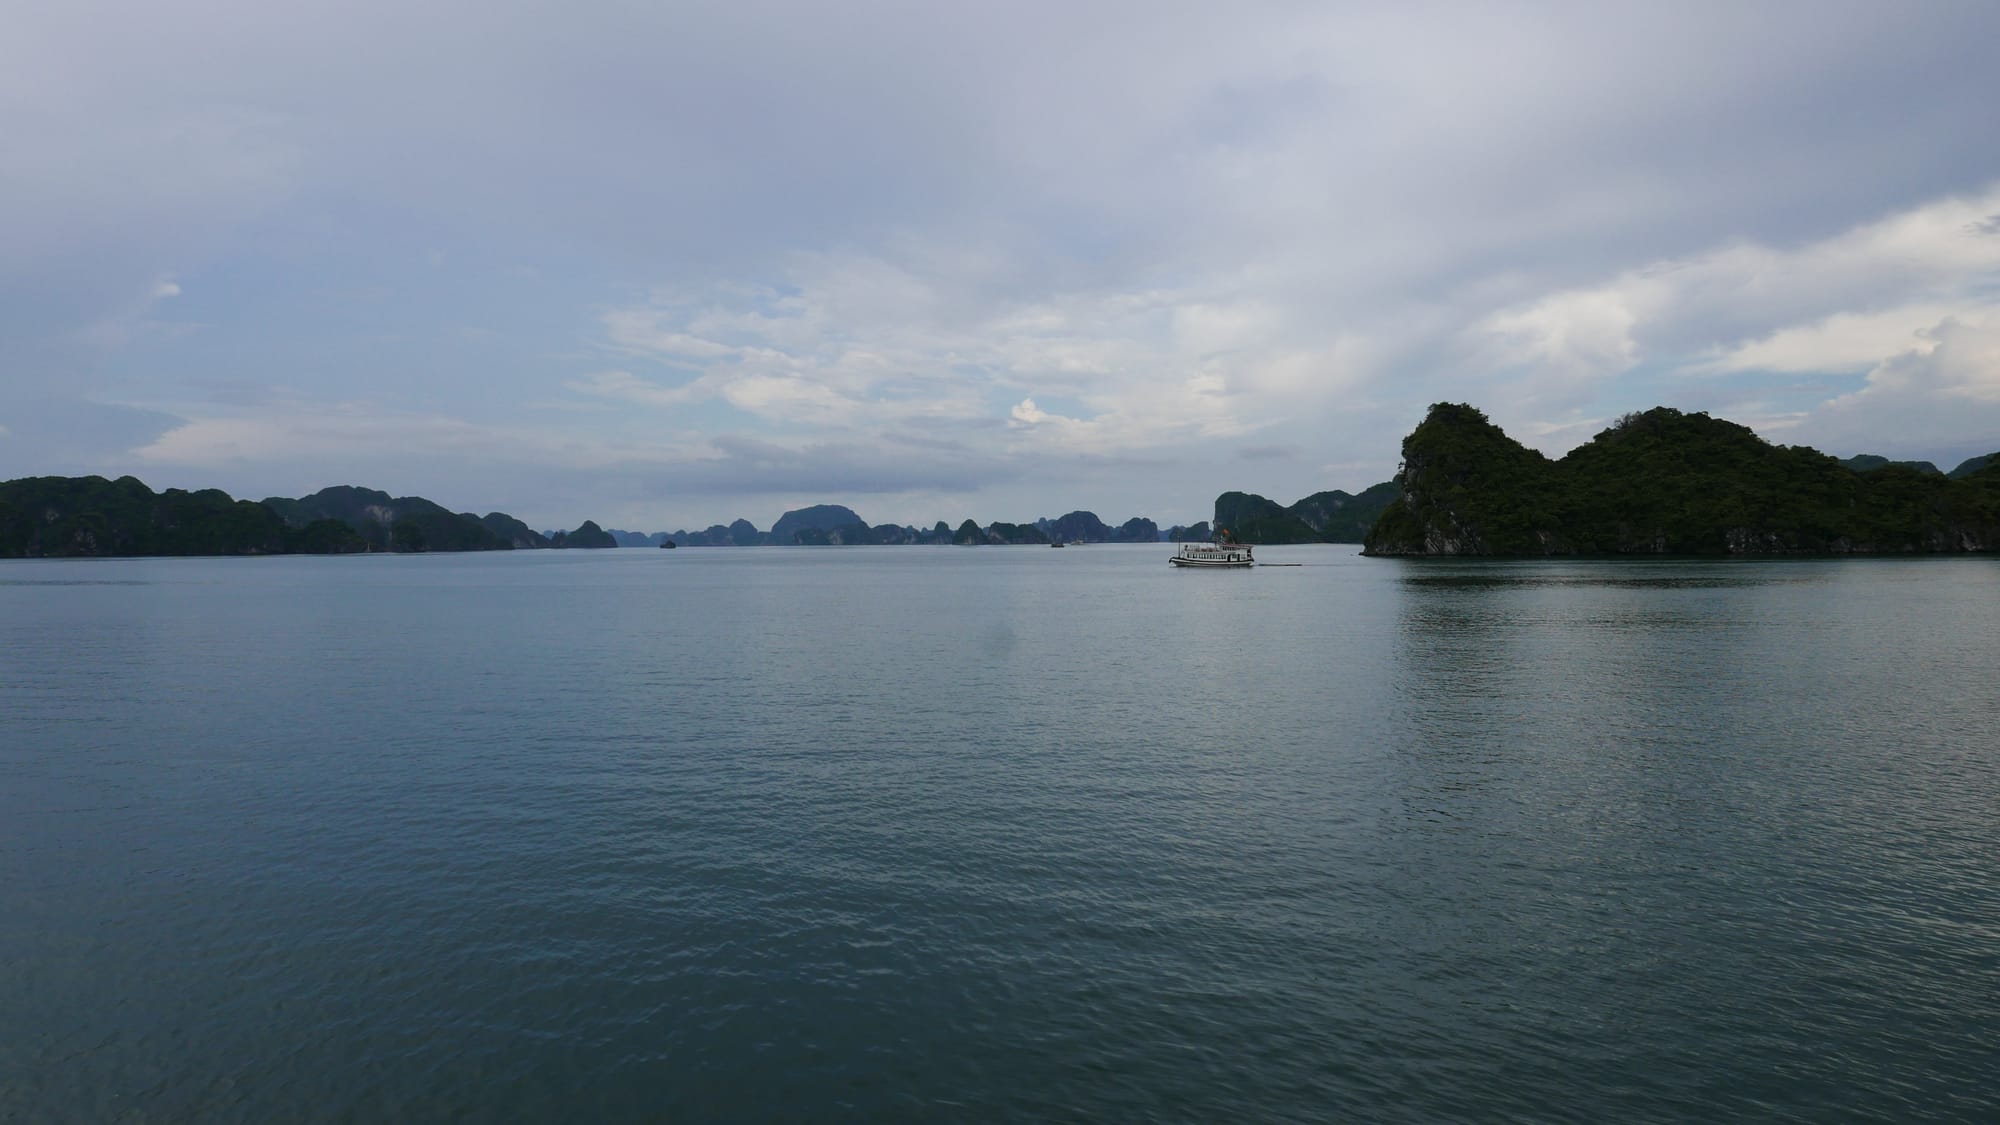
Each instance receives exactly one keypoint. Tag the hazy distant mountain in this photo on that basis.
(1338, 517)
(1076, 527)
(589, 535)
(1015, 533)
(403, 523)
(1323, 517)
(1138, 529)
(513, 531)
(1869, 462)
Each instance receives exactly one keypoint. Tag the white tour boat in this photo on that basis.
(1225, 551)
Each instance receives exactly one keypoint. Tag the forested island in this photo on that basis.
(1323, 517)
(53, 517)
(1665, 482)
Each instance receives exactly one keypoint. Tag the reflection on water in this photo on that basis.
(1693, 773)
(881, 834)
(1609, 579)
(73, 582)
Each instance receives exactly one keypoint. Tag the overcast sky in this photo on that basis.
(664, 265)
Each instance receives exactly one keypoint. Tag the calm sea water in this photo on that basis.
(997, 834)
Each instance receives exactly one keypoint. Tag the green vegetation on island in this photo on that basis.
(1665, 482)
(1869, 462)
(1972, 465)
(92, 516)
(1323, 517)
(589, 535)
(53, 517)
(399, 523)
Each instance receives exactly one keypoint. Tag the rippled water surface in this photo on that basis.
(999, 833)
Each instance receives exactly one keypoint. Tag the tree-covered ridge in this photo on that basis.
(91, 516)
(1666, 482)
(1324, 517)
(1869, 462)
(52, 517)
(1972, 465)
(587, 535)
(400, 523)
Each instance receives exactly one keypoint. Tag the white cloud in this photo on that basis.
(1850, 300)
(1164, 225)
(1841, 342)
(1580, 334)
(1922, 403)
(1026, 413)
(1961, 361)
(849, 345)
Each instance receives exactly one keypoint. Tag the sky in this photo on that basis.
(664, 265)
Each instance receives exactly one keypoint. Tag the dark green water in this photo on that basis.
(997, 834)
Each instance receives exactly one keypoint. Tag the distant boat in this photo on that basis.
(668, 544)
(1057, 543)
(1224, 552)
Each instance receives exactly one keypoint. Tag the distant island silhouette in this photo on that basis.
(1661, 482)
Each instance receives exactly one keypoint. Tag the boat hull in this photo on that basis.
(1211, 564)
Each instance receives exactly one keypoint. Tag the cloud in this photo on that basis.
(1844, 301)
(1579, 335)
(1032, 239)
(338, 431)
(936, 337)
(1847, 341)
(1937, 401)
(1026, 413)
(1878, 299)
